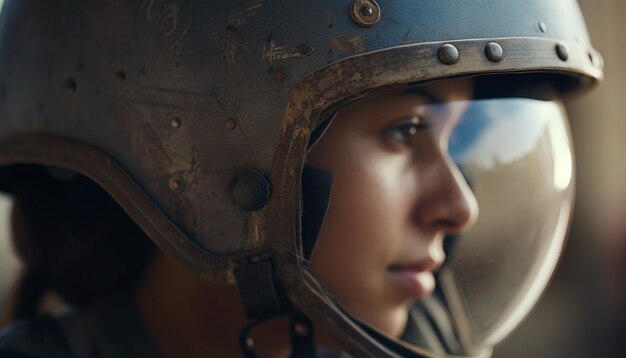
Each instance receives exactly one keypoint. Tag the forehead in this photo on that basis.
(405, 100)
(429, 93)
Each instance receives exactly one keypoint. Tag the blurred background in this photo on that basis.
(583, 313)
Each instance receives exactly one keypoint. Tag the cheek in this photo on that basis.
(367, 215)
(363, 234)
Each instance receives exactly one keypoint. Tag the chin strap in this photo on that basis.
(262, 294)
(246, 344)
(300, 330)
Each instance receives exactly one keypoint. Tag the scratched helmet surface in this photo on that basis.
(195, 115)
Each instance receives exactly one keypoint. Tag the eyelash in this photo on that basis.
(404, 132)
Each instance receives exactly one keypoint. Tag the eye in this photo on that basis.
(405, 131)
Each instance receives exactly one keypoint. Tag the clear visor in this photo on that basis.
(517, 158)
(515, 155)
(476, 275)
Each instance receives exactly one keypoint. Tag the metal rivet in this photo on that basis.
(301, 329)
(230, 123)
(71, 85)
(121, 76)
(366, 10)
(365, 13)
(305, 49)
(176, 122)
(562, 51)
(448, 54)
(596, 59)
(494, 51)
(543, 27)
(280, 75)
(250, 191)
(176, 184)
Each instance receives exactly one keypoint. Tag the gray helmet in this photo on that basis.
(195, 116)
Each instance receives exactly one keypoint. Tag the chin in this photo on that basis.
(391, 322)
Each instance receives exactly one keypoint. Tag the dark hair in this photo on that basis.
(72, 238)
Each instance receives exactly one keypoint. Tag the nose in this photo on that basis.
(445, 201)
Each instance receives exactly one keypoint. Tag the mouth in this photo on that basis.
(416, 278)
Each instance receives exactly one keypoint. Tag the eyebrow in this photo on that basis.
(423, 92)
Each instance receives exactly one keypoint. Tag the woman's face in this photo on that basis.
(396, 194)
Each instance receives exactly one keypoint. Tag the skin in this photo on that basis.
(396, 194)
(394, 198)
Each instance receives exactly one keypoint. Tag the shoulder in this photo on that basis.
(110, 328)
(36, 337)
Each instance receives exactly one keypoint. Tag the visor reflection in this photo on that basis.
(517, 155)
(513, 156)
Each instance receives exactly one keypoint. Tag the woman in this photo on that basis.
(396, 194)
(226, 131)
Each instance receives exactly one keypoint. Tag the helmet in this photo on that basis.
(196, 117)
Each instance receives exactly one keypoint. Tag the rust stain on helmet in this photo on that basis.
(174, 20)
(272, 52)
(348, 44)
(240, 17)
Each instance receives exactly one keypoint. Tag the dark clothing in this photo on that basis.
(109, 329)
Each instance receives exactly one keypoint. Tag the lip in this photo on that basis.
(416, 278)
